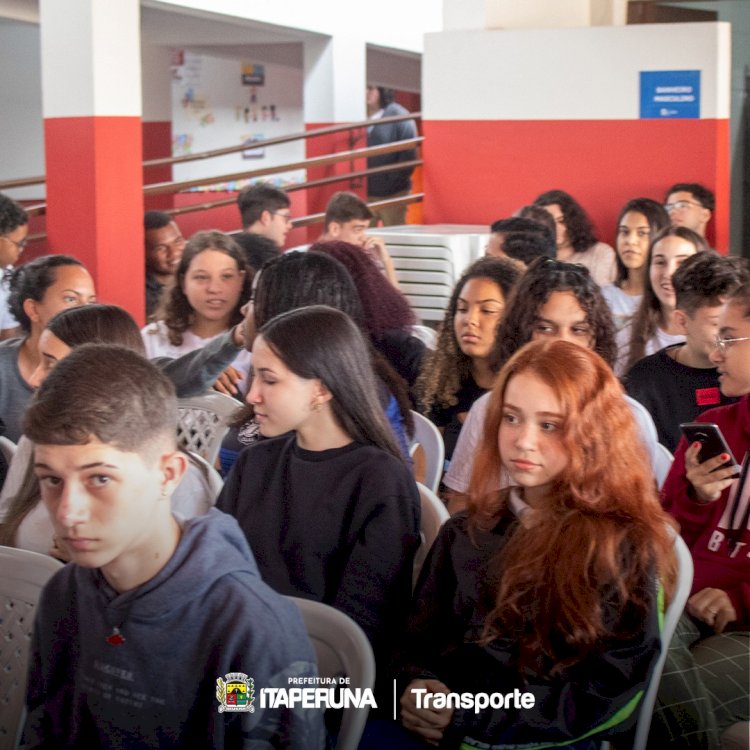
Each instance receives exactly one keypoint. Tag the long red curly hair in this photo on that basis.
(601, 530)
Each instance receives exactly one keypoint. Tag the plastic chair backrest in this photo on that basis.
(204, 420)
(7, 448)
(213, 478)
(662, 459)
(427, 335)
(434, 515)
(429, 437)
(342, 649)
(23, 575)
(671, 617)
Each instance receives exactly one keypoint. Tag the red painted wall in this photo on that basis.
(95, 202)
(477, 172)
(157, 144)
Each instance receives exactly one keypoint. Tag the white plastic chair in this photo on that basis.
(671, 617)
(204, 420)
(7, 448)
(427, 335)
(434, 515)
(213, 478)
(429, 437)
(23, 575)
(342, 649)
(662, 460)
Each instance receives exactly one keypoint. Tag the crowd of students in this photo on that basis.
(551, 576)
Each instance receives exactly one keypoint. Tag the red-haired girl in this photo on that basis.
(548, 587)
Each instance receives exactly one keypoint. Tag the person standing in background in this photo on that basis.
(397, 183)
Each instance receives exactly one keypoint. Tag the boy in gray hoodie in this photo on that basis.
(156, 617)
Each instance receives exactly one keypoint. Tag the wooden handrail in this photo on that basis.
(297, 186)
(161, 188)
(280, 139)
(40, 180)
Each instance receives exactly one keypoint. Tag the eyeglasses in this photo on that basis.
(722, 344)
(680, 205)
(287, 218)
(20, 245)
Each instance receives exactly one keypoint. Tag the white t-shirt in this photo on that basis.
(6, 319)
(622, 306)
(599, 259)
(658, 341)
(157, 344)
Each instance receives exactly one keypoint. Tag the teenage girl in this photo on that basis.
(651, 328)
(553, 300)
(38, 290)
(549, 586)
(331, 510)
(458, 372)
(575, 236)
(211, 285)
(640, 219)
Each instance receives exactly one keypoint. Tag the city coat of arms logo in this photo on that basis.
(235, 692)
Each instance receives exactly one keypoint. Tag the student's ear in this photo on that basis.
(265, 217)
(334, 229)
(321, 394)
(173, 466)
(680, 318)
(29, 307)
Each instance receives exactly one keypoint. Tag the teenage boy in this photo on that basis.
(14, 230)
(265, 210)
(131, 638)
(690, 205)
(679, 382)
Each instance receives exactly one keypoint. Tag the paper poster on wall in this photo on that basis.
(253, 74)
(253, 153)
(671, 94)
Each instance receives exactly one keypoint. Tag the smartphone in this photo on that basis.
(712, 441)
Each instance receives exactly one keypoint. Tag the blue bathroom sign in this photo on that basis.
(670, 94)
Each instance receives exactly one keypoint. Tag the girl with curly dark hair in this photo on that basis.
(212, 283)
(576, 239)
(458, 372)
(553, 300)
(640, 219)
(553, 586)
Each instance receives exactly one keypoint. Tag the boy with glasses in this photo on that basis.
(14, 230)
(678, 382)
(265, 210)
(690, 205)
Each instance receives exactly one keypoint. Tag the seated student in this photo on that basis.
(24, 522)
(496, 609)
(38, 290)
(640, 219)
(14, 230)
(329, 506)
(458, 372)
(346, 219)
(164, 244)
(152, 607)
(712, 511)
(296, 280)
(388, 317)
(690, 205)
(576, 239)
(211, 286)
(520, 239)
(652, 326)
(680, 381)
(265, 210)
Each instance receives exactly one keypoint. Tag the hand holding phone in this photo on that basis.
(707, 467)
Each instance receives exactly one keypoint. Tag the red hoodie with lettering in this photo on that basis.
(705, 527)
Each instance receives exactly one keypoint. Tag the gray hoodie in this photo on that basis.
(205, 614)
